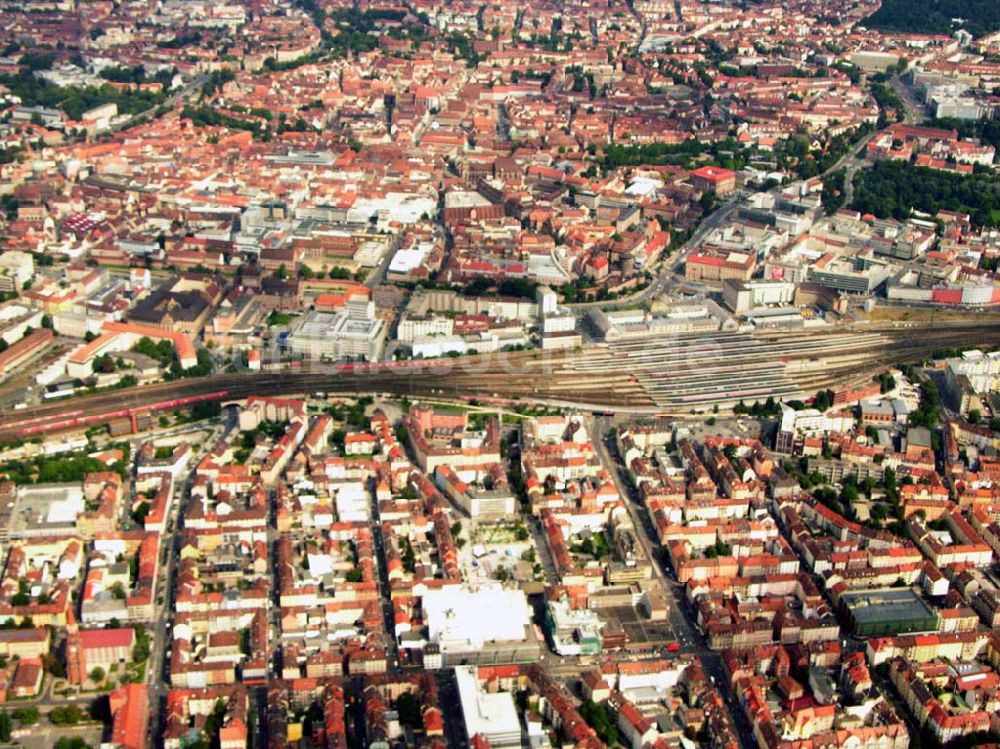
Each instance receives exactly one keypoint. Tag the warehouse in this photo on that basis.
(887, 611)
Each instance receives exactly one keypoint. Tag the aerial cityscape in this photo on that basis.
(465, 374)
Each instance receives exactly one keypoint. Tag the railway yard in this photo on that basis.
(673, 375)
(451, 376)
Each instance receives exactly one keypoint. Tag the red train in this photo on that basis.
(77, 419)
(35, 420)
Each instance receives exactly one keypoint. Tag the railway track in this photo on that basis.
(696, 371)
(674, 375)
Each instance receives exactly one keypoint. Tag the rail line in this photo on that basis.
(674, 375)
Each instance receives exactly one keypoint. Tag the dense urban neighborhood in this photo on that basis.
(461, 374)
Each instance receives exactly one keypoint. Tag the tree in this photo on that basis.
(833, 195)
(97, 675)
(408, 556)
(935, 16)
(104, 364)
(55, 666)
(408, 708)
(140, 513)
(69, 715)
(823, 400)
(72, 742)
(282, 273)
(598, 718)
(26, 716)
(6, 726)
(35, 61)
(718, 549)
(975, 416)
(141, 650)
(890, 488)
(895, 188)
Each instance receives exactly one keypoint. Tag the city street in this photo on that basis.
(680, 616)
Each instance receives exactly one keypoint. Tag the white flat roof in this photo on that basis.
(476, 614)
(406, 260)
(464, 199)
(492, 715)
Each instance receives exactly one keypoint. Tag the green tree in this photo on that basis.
(833, 195)
(895, 188)
(26, 716)
(141, 649)
(408, 708)
(68, 715)
(935, 16)
(140, 513)
(599, 718)
(72, 742)
(35, 61)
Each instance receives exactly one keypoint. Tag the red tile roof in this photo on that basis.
(122, 637)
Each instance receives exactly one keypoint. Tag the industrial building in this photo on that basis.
(887, 611)
(742, 296)
(353, 332)
(484, 624)
(491, 715)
